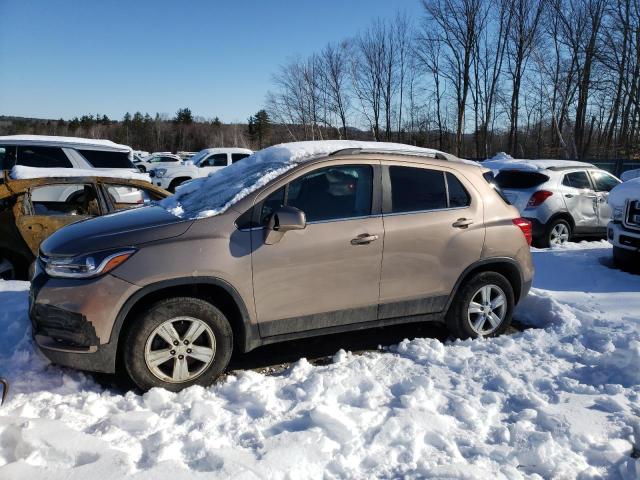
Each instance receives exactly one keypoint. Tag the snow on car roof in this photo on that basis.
(506, 162)
(62, 141)
(629, 190)
(212, 195)
(20, 172)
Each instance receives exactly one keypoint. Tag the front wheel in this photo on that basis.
(483, 307)
(7, 269)
(176, 343)
(626, 260)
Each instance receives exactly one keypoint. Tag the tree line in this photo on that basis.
(534, 78)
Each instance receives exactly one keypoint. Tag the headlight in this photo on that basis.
(86, 266)
(618, 212)
(160, 172)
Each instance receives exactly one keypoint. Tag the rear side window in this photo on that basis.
(577, 180)
(67, 199)
(101, 159)
(43, 157)
(417, 189)
(519, 179)
(603, 181)
(458, 195)
(238, 156)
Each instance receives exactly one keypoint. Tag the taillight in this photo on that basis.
(524, 225)
(538, 197)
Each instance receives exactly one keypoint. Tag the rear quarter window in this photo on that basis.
(102, 159)
(516, 179)
(42, 157)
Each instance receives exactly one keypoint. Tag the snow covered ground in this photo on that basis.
(558, 401)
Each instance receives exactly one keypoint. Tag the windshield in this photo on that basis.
(197, 158)
(208, 196)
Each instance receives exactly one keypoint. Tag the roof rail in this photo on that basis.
(358, 150)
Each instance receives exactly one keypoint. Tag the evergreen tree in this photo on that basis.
(183, 116)
(258, 128)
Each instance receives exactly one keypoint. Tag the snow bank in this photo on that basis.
(629, 190)
(557, 401)
(498, 163)
(20, 172)
(630, 174)
(212, 195)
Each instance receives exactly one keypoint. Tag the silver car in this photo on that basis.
(560, 198)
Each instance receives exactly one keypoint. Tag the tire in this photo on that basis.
(7, 269)
(626, 260)
(144, 345)
(460, 321)
(142, 169)
(176, 183)
(558, 227)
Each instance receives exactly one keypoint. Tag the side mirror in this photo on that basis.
(283, 220)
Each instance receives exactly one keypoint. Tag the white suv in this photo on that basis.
(63, 152)
(200, 165)
(560, 197)
(156, 160)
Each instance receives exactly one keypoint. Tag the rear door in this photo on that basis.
(434, 229)
(580, 199)
(603, 183)
(48, 208)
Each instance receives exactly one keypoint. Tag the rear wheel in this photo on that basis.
(557, 233)
(7, 270)
(177, 343)
(483, 307)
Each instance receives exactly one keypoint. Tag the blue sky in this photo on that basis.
(62, 58)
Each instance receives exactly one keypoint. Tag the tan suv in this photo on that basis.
(295, 241)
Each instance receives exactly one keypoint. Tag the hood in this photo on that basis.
(121, 229)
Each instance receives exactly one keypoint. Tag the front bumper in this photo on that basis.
(73, 319)
(622, 237)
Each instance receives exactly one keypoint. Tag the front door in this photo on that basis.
(327, 274)
(434, 229)
(580, 200)
(603, 184)
(212, 163)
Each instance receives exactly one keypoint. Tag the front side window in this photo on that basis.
(417, 189)
(331, 193)
(603, 181)
(65, 199)
(42, 157)
(102, 159)
(215, 160)
(578, 180)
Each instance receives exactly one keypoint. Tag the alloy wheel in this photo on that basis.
(180, 349)
(487, 309)
(559, 234)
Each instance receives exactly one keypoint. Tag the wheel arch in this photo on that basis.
(564, 215)
(505, 266)
(178, 180)
(216, 291)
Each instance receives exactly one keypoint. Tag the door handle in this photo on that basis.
(568, 195)
(462, 223)
(364, 239)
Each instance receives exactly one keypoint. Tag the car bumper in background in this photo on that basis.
(622, 237)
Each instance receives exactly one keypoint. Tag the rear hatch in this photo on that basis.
(519, 185)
